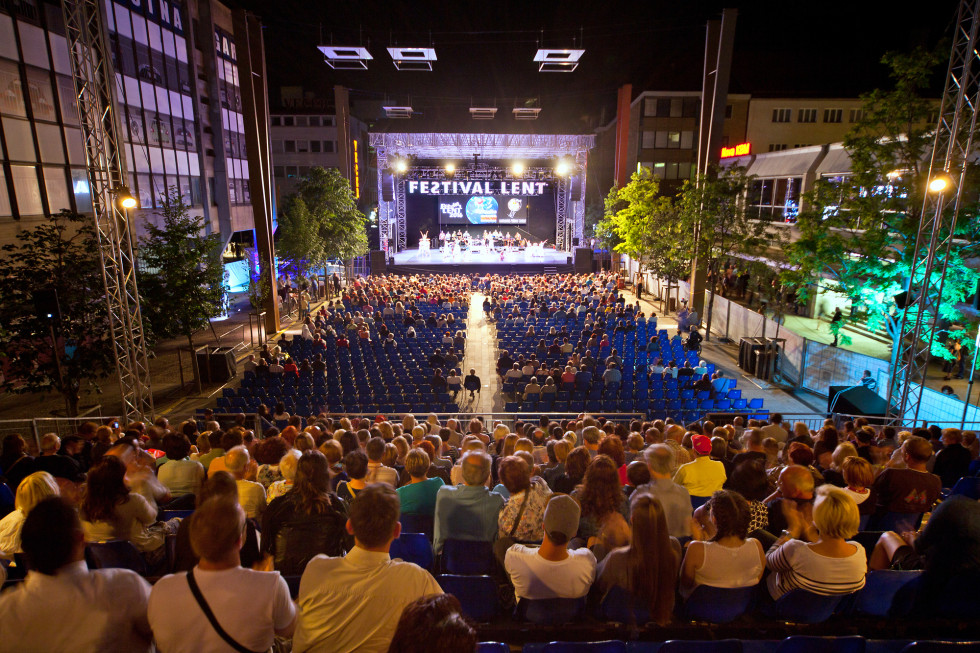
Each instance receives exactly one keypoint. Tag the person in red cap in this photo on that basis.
(704, 476)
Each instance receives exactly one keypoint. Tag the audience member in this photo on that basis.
(908, 492)
(433, 623)
(675, 500)
(31, 491)
(469, 511)
(704, 476)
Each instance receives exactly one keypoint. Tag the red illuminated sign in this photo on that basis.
(739, 150)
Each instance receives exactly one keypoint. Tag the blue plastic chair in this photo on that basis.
(812, 644)
(413, 547)
(719, 605)
(968, 486)
(417, 524)
(115, 554)
(800, 606)
(492, 647)
(942, 647)
(467, 558)
(900, 522)
(877, 597)
(608, 646)
(684, 646)
(477, 595)
(550, 612)
(618, 606)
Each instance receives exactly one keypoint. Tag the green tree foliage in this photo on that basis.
(60, 254)
(716, 226)
(181, 279)
(319, 222)
(857, 233)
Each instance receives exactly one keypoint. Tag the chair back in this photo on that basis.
(968, 486)
(942, 647)
(550, 612)
(619, 606)
(417, 524)
(811, 644)
(467, 558)
(719, 646)
(413, 547)
(719, 605)
(877, 597)
(900, 522)
(492, 647)
(477, 595)
(115, 554)
(608, 646)
(800, 606)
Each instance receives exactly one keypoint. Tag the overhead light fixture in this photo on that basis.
(398, 113)
(563, 168)
(450, 168)
(400, 166)
(125, 198)
(526, 113)
(483, 113)
(413, 58)
(345, 57)
(517, 169)
(940, 183)
(558, 61)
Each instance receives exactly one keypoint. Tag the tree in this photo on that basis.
(319, 222)
(712, 212)
(60, 254)
(181, 278)
(857, 233)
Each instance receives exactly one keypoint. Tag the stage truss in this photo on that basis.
(484, 147)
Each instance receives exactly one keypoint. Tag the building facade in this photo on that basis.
(179, 107)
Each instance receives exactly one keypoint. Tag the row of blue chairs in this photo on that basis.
(792, 644)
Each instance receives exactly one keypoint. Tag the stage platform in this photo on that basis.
(413, 261)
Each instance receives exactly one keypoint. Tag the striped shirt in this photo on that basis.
(797, 566)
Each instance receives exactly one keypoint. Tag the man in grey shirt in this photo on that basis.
(674, 498)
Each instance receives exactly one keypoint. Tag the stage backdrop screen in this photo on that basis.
(483, 209)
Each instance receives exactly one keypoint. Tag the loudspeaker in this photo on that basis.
(46, 305)
(378, 263)
(583, 260)
(575, 241)
(387, 188)
(905, 298)
(217, 365)
(576, 189)
(856, 400)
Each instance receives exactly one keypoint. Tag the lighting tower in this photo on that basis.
(952, 148)
(94, 79)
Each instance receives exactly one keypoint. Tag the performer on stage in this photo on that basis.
(442, 241)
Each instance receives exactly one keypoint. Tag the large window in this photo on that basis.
(806, 115)
(782, 115)
(833, 115)
(775, 200)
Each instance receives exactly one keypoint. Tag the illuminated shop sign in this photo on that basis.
(163, 12)
(476, 187)
(739, 150)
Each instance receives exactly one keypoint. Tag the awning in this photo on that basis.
(788, 163)
(837, 162)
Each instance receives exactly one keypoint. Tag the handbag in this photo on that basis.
(196, 591)
(503, 543)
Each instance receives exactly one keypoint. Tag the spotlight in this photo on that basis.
(940, 183)
(401, 166)
(517, 168)
(563, 168)
(450, 168)
(125, 198)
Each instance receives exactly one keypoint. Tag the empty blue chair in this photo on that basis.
(718, 605)
(618, 605)
(413, 547)
(417, 524)
(492, 647)
(550, 612)
(968, 486)
(877, 597)
(684, 646)
(115, 554)
(756, 403)
(477, 595)
(467, 558)
(608, 646)
(800, 606)
(812, 644)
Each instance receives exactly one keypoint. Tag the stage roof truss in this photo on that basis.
(462, 147)
(418, 59)
(341, 57)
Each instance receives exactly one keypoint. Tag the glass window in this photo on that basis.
(66, 96)
(42, 98)
(661, 141)
(170, 161)
(20, 143)
(156, 160)
(314, 121)
(276, 121)
(49, 140)
(287, 121)
(59, 52)
(692, 106)
(184, 134)
(11, 92)
(139, 30)
(182, 166)
(5, 210)
(315, 145)
(290, 146)
(145, 191)
(27, 189)
(687, 140)
(34, 45)
(153, 30)
(123, 24)
(676, 107)
(56, 185)
(659, 170)
(672, 170)
(184, 184)
(301, 121)
(8, 44)
(76, 148)
(160, 131)
(159, 187)
(328, 146)
(279, 171)
(181, 49)
(650, 107)
(649, 140)
(673, 140)
(79, 186)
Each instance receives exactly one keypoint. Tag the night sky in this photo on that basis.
(485, 50)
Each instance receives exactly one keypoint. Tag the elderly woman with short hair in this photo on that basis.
(418, 496)
(287, 467)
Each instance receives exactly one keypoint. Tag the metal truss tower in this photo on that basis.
(951, 151)
(94, 78)
(561, 215)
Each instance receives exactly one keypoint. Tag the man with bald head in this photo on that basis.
(794, 492)
(469, 511)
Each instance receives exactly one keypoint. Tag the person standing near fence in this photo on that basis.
(838, 320)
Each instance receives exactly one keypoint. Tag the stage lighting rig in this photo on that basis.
(517, 168)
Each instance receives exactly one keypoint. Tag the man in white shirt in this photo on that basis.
(62, 606)
(354, 603)
(551, 570)
(378, 473)
(775, 429)
(250, 606)
(250, 494)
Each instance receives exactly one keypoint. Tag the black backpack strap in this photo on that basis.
(196, 591)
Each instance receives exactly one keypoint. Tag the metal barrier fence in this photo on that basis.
(33, 429)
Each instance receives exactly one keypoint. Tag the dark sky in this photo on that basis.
(485, 49)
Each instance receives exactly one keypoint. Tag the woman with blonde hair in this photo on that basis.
(287, 468)
(31, 491)
(647, 567)
(835, 474)
(408, 423)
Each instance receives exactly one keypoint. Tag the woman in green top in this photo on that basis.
(418, 496)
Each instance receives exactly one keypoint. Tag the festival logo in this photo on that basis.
(514, 205)
(481, 210)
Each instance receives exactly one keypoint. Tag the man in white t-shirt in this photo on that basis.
(249, 606)
(551, 570)
(250, 494)
(775, 429)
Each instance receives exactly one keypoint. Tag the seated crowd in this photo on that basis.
(580, 508)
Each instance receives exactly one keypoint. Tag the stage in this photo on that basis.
(466, 262)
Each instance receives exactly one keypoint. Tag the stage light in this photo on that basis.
(940, 183)
(400, 166)
(125, 198)
(450, 168)
(563, 167)
(517, 168)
